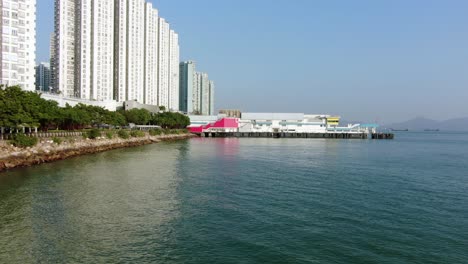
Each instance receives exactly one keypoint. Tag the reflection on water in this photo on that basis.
(84, 206)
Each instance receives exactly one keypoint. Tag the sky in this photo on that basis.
(366, 60)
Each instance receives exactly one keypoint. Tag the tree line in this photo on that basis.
(20, 108)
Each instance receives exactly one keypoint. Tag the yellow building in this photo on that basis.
(333, 121)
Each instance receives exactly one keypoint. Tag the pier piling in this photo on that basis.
(297, 135)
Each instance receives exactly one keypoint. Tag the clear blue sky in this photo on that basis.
(364, 59)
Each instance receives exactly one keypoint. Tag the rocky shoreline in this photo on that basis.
(47, 151)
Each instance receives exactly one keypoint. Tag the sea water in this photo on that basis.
(245, 201)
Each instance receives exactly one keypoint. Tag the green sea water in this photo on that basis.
(245, 201)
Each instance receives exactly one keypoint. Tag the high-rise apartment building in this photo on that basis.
(120, 50)
(135, 49)
(102, 51)
(115, 50)
(64, 47)
(188, 84)
(84, 43)
(51, 62)
(197, 99)
(18, 43)
(151, 56)
(196, 90)
(205, 94)
(173, 71)
(163, 69)
(212, 93)
(43, 77)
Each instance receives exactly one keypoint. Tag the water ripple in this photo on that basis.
(244, 201)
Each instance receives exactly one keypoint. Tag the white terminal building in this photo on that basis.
(276, 123)
(18, 43)
(115, 50)
(287, 122)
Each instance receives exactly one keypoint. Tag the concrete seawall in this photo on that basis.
(46, 151)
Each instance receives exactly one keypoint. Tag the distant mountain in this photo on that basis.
(458, 124)
(421, 123)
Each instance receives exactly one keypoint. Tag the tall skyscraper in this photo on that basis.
(43, 77)
(84, 37)
(151, 55)
(18, 43)
(64, 64)
(205, 94)
(173, 71)
(115, 50)
(187, 86)
(52, 61)
(212, 93)
(163, 66)
(135, 49)
(120, 51)
(196, 91)
(197, 99)
(102, 55)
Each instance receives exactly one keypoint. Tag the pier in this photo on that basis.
(383, 136)
(297, 135)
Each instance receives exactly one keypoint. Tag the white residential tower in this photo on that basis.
(115, 50)
(18, 43)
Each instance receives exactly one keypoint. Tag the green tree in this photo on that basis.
(16, 107)
(96, 114)
(20, 108)
(171, 120)
(138, 116)
(49, 115)
(74, 118)
(115, 119)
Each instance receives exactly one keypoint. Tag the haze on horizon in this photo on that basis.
(383, 61)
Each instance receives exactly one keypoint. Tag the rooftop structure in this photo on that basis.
(231, 112)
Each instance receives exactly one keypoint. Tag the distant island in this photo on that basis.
(425, 124)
